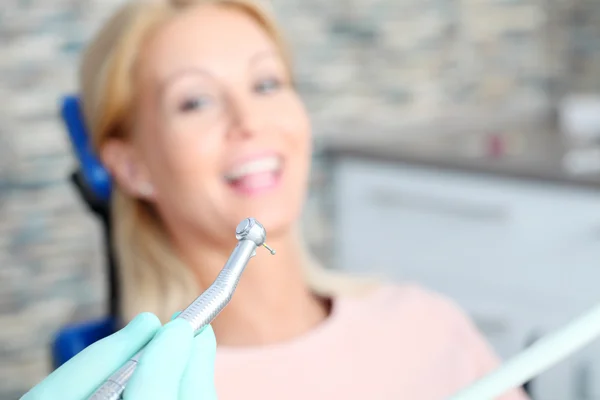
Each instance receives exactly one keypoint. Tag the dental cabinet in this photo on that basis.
(515, 241)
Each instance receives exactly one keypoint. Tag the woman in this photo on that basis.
(192, 107)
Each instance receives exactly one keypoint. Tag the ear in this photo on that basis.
(127, 169)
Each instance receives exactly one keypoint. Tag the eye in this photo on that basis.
(197, 103)
(267, 86)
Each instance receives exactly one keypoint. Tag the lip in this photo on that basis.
(256, 189)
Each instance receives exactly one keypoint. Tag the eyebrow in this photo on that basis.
(261, 55)
(201, 71)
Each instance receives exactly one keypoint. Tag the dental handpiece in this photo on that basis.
(250, 235)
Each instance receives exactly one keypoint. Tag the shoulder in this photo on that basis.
(393, 301)
(438, 317)
(436, 325)
(412, 295)
(421, 306)
(431, 321)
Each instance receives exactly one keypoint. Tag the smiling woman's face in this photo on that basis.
(220, 132)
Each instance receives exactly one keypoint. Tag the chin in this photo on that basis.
(278, 219)
(279, 224)
(268, 189)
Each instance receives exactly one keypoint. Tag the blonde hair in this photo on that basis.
(151, 275)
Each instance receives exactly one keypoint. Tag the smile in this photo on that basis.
(256, 175)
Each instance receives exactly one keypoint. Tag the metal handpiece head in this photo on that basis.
(251, 229)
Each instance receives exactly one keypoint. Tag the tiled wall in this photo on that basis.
(380, 62)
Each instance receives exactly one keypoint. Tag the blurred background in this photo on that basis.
(457, 146)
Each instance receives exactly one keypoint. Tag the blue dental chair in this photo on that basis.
(94, 186)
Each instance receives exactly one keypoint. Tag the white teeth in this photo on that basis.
(266, 164)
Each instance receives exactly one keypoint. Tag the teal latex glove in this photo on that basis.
(175, 365)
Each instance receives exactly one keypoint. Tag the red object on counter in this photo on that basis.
(495, 146)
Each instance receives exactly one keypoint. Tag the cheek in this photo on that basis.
(298, 139)
(297, 124)
(183, 160)
(303, 145)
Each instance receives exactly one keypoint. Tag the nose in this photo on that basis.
(245, 117)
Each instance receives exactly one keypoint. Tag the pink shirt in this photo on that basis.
(399, 342)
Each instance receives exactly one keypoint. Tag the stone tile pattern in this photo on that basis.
(383, 63)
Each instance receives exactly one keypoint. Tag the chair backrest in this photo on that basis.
(94, 184)
(95, 176)
(73, 338)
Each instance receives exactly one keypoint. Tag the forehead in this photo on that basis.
(217, 38)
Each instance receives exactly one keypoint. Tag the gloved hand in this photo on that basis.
(173, 366)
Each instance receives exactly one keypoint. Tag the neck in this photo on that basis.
(272, 301)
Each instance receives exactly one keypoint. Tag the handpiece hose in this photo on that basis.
(250, 235)
(539, 357)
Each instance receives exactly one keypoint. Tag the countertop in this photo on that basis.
(531, 151)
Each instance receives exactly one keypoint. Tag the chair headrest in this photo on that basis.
(95, 175)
